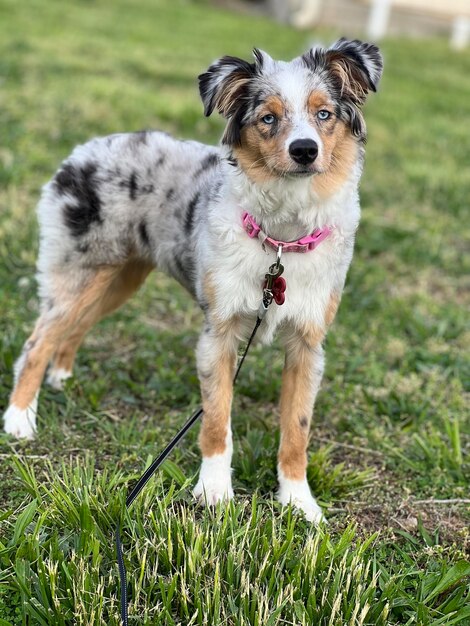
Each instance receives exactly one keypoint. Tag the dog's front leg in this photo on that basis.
(216, 359)
(301, 377)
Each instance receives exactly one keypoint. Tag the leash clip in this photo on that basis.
(274, 286)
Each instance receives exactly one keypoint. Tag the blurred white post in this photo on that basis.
(460, 33)
(306, 14)
(299, 13)
(378, 18)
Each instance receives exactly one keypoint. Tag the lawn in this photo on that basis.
(390, 436)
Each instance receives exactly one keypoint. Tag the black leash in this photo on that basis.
(274, 272)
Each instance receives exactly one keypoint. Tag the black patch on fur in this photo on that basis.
(189, 220)
(209, 161)
(231, 160)
(170, 194)
(140, 137)
(185, 271)
(179, 266)
(303, 421)
(190, 268)
(256, 101)
(144, 235)
(203, 306)
(160, 161)
(133, 186)
(82, 184)
(215, 190)
(233, 135)
(82, 248)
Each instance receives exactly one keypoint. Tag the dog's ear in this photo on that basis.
(224, 86)
(355, 69)
(358, 65)
(223, 83)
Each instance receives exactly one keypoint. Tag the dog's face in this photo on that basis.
(293, 119)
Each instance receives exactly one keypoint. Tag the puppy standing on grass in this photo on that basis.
(291, 159)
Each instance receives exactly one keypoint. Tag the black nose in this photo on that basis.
(303, 151)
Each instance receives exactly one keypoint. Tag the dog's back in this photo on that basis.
(125, 196)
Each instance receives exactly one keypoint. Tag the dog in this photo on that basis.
(286, 174)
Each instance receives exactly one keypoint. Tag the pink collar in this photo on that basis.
(305, 244)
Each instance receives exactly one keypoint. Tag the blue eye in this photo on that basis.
(323, 114)
(268, 119)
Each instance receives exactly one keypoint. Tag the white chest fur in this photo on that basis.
(237, 265)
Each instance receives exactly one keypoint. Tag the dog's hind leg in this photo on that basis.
(69, 305)
(126, 281)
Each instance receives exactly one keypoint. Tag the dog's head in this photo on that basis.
(293, 119)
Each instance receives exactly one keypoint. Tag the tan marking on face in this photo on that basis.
(339, 149)
(332, 308)
(317, 101)
(274, 105)
(254, 154)
(340, 154)
(263, 156)
(297, 403)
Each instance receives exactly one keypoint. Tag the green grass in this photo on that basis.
(390, 437)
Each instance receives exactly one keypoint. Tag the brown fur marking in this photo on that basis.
(124, 284)
(217, 382)
(216, 391)
(296, 403)
(255, 151)
(274, 105)
(318, 100)
(78, 311)
(332, 308)
(343, 151)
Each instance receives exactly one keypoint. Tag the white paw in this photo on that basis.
(57, 377)
(215, 481)
(298, 493)
(21, 423)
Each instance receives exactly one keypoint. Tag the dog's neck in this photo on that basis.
(287, 209)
